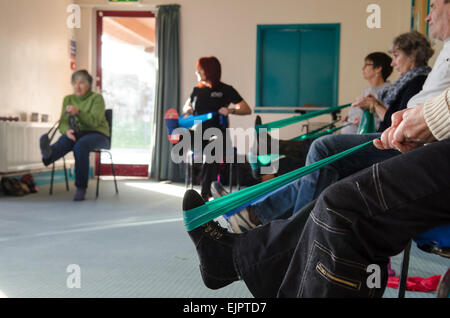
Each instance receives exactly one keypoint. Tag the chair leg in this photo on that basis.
(404, 272)
(98, 173)
(186, 171)
(237, 177)
(65, 174)
(191, 171)
(51, 179)
(443, 289)
(231, 178)
(113, 172)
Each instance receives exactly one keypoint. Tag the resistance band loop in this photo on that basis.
(367, 124)
(215, 208)
(296, 119)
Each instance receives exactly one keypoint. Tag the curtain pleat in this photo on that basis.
(167, 91)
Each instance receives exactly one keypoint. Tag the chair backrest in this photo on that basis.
(109, 118)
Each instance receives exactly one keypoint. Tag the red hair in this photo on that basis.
(211, 67)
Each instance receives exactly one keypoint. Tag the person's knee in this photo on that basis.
(331, 207)
(320, 149)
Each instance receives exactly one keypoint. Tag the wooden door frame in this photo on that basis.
(121, 169)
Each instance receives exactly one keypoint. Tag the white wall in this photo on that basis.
(35, 64)
(34, 56)
(227, 29)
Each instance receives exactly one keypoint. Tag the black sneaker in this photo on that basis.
(46, 150)
(214, 246)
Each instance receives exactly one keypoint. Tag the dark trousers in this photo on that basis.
(81, 150)
(359, 221)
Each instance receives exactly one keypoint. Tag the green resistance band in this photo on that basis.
(265, 160)
(320, 129)
(312, 135)
(212, 209)
(296, 119)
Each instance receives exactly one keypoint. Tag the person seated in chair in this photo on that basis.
(376, 70)
(213, 96)
(84, 128)
(411, 52)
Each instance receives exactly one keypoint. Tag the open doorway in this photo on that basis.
(126, 74)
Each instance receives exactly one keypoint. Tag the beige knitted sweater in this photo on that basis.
(437, 115)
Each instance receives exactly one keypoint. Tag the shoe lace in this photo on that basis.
(214, 230)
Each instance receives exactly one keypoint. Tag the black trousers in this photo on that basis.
(360, 221)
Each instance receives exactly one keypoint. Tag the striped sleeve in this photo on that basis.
(437, 115)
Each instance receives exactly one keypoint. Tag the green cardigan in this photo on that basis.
(91, 116)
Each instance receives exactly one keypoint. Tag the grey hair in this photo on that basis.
(84, 75)
(415, 45)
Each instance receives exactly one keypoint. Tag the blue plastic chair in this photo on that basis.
(435, 241)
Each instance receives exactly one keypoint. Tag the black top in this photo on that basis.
(209, 100)
(403, 97)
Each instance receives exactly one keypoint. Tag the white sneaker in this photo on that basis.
(240, 222)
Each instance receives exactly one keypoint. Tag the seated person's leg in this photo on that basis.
(260, 257)
(263, 255)
(294, 196)
(58, 150)
(81, 151)
(208, 174)
(313, 184)
(366, 218)
(279, 204)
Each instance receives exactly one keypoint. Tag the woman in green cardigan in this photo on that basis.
(84, 128)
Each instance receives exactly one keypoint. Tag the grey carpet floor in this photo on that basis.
(127, 245)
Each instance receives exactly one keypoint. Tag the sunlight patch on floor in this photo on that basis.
(167, 189)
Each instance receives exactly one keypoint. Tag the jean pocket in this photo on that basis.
(327, 275)
(332, 221)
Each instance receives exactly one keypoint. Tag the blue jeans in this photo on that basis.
(81, 150)
(359, 221)
(293, 197)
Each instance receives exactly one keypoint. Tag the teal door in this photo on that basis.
(298, 65)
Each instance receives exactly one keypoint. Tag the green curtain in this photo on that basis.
(167, 91)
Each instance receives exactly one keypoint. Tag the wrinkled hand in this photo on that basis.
(71, 135)
(408, 131)
(224, 111)
(364, 102)
(72, 110)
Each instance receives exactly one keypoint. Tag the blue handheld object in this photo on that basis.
(190, 120)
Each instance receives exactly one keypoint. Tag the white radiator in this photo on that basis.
(19, 146)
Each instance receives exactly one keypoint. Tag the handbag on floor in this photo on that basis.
(12, 186)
